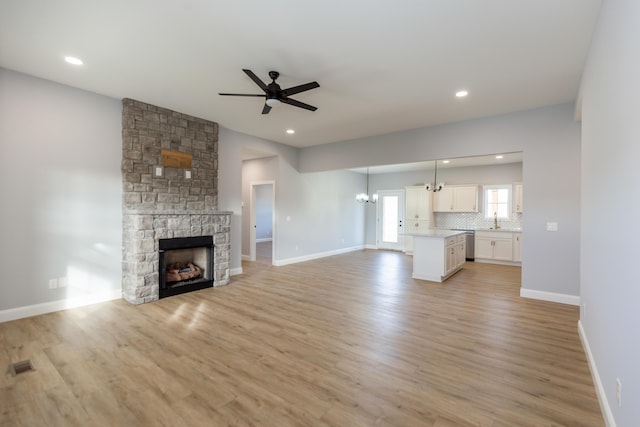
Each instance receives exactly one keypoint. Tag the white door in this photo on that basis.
(390, 218)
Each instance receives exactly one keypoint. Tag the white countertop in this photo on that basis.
(437, 233)
(505, 229)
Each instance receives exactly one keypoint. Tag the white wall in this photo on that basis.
(61, 215)
(550, 141)
(610, 294)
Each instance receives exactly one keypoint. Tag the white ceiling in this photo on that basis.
(383, 66)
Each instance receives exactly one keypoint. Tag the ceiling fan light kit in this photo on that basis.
(275, 95)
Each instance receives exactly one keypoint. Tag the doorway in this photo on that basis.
(389, 218)
(262, 222)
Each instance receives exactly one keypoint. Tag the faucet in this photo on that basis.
(495, 221)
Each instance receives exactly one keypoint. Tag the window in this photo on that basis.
(497, 199)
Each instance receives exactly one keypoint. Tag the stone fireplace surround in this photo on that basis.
(169, 206)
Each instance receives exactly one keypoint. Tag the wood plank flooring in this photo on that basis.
(349, 340)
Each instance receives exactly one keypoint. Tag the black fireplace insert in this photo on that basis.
(185, 265)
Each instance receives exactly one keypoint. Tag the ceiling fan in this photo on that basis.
(274, 95)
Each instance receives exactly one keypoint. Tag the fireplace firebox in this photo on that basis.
(185, 265)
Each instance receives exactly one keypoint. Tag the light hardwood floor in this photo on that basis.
(349, 340)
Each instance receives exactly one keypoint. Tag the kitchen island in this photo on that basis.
(437, 254)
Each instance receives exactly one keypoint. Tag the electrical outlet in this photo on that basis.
(53, 283)
(619, 391)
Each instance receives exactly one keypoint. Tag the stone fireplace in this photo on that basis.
(168, 205)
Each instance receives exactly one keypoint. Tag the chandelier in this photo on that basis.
(434, 186)
(364, 197)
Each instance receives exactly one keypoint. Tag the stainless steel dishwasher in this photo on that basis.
(470, 236)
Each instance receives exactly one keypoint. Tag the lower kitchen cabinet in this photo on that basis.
(494, 246)
(413, 227)
(438, 255)
(455, 250)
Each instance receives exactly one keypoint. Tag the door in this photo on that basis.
(389, 219)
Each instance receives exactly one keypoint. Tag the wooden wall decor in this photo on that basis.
(176, 159)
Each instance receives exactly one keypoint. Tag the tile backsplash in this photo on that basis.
(473, 220)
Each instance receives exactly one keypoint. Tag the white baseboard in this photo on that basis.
(267, 239)
(235, 271)
(550, 296)
(246, 258)
(318, 255)
(602, 397)
(493, 261)
(50, 307)
(371, 247)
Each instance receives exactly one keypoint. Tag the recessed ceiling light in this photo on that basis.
(73, 60)
(461, 93)
(445, 161)
(291, 131)
(500, 156)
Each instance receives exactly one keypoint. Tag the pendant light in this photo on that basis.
(364, 197)
(435, 186)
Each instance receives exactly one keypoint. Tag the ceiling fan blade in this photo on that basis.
(240, 94)
(298, 104)
(256, 79)
(297, 89)
(266, 109)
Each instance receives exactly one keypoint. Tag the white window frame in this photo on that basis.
(488, 213)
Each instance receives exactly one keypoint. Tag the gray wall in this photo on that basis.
(61, 216)
(550, 141)
(314, 212)
(609, 290)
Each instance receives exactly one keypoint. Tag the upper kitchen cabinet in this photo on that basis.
(456, 198)
(517, 189)
(417, 203)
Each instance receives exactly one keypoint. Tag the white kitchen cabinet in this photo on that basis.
(418, 203)
(456, 198)
(437, 255)
(443, 200)
(418, 214)
(494, 246)
(413, 226)
(517, 247)
(517, 189)
(455, 248)
(465, 198)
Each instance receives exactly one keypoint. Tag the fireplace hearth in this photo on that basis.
(185, 264)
